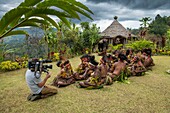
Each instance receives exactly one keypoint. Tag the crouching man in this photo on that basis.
(37, 86)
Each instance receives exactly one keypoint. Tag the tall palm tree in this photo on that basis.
(144, 25)
(145, 21)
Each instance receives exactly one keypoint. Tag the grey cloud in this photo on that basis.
(10, 1)
(106, 9)
(138, 4)
(7, 5)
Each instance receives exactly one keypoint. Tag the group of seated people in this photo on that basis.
(93, 74)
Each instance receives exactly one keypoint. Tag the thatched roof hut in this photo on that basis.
(116, 33)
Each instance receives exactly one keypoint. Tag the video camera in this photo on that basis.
(37, 65)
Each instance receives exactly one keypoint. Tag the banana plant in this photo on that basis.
(37, 12)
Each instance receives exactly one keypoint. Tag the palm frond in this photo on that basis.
(16, 32)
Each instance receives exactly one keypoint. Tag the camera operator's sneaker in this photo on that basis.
(29, 97)
(35, 97)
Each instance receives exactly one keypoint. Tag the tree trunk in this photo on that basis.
(163, 41)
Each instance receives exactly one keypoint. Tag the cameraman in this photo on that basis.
(37, 85)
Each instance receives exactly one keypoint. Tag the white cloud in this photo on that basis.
(131, 24)
(7, 5)
(103, 24)
(82, 1)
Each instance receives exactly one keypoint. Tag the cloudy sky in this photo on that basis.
(128, 11)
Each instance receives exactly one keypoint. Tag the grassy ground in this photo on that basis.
(146, 94)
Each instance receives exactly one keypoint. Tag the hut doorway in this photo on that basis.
(119, 40)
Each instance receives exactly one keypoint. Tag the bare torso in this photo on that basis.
(104, 70)
(118, 67)
(148, 62)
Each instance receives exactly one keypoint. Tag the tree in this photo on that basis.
(71, 39)
(34, 48)
(2, 51)
(159, 27)
(94, 37)
(90, 35)
(144, 25)
(27, 12)
(168, 40)
(145, 21)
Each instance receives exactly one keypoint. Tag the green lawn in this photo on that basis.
(146, 94)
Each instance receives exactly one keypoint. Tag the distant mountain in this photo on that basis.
(37, 32)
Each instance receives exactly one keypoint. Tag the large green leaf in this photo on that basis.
(32, 24)
(11, 16)
(46, 11)
(80, 5)
(16, 32)
(29, 3)
(12, 24)
(64, 5)
(82, 12)
(65, 21)
(19, 16)
(69, 7)
(49, 20)
(36, 20)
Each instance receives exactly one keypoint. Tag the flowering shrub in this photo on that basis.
(9, 66)
(163, 52)
(22, 61)
(168, 52)
(56, 56)
(24, 64)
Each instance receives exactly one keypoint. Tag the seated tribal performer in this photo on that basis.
(111, 60)
(148, 61)
(61, 66)
(143, 56)
(94, 79)
(129, 55)
(118, 67)
(137, 67)
(105, 79)
(89, 70)
(65, 77)
(79, 74)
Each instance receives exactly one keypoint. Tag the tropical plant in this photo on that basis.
(139, 45)
(167, 47)
(116, 47)
(50, 38)
(27, 12)
(94, 37)
(9, 66)
(145, 21)
(2, 51)
(90, 35)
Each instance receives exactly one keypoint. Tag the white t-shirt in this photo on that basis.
(33, 81)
